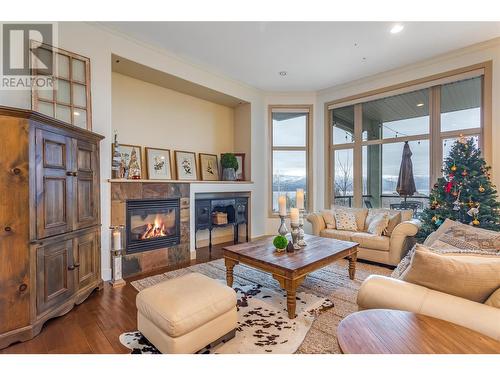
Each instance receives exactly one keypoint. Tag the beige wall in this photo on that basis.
(148, 115)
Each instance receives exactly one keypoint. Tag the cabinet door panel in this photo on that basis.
(55, 282)
(53, 185)
(86, 185)
(86, 252)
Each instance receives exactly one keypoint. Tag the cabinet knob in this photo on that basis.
(75, 174)
(77, 265)
(8, 229)
(69, 173)
(23, 287)
(16, 171)
(71, 268)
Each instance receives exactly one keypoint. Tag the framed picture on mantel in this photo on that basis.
(185, 165)
(158, 163)
(209, 167)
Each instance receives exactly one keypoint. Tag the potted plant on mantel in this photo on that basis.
(229, 166)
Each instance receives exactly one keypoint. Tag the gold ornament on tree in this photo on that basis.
(481, 189)
(453, 167)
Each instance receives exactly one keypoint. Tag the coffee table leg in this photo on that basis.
(352, 265)
(291, 302)
(229, 271)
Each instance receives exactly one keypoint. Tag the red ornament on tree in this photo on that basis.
(448, 186)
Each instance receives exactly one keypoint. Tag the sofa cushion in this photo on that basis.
(494, 299)
(371, 241)
(329, 218)
(343, 235)
(178, 306)
(345, 220)
(472, 277)
(378, 224)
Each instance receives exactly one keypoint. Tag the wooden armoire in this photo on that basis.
(49, 220)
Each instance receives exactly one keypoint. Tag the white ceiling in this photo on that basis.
(315, 55)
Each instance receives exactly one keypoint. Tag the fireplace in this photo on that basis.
(152, 224)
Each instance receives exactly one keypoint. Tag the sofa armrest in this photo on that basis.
(407, 228)
(318, 224)
(379, 292)
(402, 239)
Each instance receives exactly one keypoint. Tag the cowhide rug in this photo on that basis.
(263, 324)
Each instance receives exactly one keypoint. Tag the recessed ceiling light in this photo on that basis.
(397, 28)
(282, 73)
(76, 113)
(420, 104)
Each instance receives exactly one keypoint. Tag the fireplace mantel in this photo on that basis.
(177, 181)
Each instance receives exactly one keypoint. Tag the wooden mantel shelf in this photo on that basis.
(179, 182)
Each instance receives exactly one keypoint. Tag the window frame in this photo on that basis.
(307, 108)
(35, 99)
(435, 136)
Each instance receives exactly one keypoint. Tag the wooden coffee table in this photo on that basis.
(401, 332)
(290, 269)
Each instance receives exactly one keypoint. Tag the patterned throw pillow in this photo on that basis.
(329, 218)
(394, 219)
(456, 238)
(345, 220)
(378, 224)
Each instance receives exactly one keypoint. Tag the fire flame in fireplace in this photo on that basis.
(156, 229)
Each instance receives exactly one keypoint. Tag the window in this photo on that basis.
(368, 136)
(290, 134)
(69, 100)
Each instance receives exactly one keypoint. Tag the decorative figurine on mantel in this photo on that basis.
(116, 164)
(134, 170)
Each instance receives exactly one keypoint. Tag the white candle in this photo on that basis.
(117, 239)
(300, 199)
(294, 215)
(282, 205)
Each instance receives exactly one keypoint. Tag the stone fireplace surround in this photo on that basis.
(137, 263)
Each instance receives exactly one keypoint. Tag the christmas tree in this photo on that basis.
(464, 193)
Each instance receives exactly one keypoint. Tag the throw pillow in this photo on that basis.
(470, 277)
(329, 218)
(378, 224)
(345, 220)
(394, 220)
(494, 299)
(469, 240)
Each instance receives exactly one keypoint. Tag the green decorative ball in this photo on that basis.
(280, 242)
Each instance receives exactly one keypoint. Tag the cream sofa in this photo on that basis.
(382, 249)
(379, 292)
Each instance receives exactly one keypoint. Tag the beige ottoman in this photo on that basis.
(185, 314)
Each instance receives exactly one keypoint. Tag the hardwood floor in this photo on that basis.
(95, 325)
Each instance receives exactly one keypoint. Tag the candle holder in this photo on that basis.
(295, 235)
(301, 240)
(282, 230)
(117, 251)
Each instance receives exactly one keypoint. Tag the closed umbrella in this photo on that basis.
(406, 182)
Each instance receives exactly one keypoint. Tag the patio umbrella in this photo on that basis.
(406, 182)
